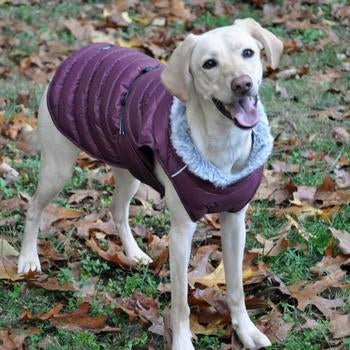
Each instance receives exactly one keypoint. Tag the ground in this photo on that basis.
(296, 270)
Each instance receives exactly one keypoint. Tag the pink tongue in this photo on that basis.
(244, 112)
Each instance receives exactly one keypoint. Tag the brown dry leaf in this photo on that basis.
(212, 297)
(13, 339)
(344, 240)
(342, 178)
(305, 194)
(147, 195)
(292, 72)
(53, 213)
(267, 245)
(333, 113)
(211, 328)
(340, 325)
(178, 10)
(8, 262)
(307, 293)
(46, 249)
(273, 187)
(283, 167)
(82, 31)
(144, 308)
(298, 227)
(282, 91)
(330, 264)
(274, 327)
(51, 283)
(114, 253)
(12, 204)
(157, 249)
(9, 174)
(17, 123)
(80, 195)
(85, 161)
(305, 210)
(200, 264)
(79, 319)
(113, 15)
(216, 278)
(341, 134)
(87, 227)
(328, 184)
(27, 316)
(212, 220)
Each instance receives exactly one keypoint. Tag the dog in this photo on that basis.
(210, 88)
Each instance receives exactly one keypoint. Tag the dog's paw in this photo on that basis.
(137, 255)
(182, 341)
(249, 334)
(28, 262)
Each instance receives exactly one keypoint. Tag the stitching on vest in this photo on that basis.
(179, 171)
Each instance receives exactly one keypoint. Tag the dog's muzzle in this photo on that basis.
(243, 112)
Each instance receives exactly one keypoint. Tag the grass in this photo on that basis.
(288, 117)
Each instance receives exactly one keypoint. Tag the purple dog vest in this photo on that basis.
(109, 101)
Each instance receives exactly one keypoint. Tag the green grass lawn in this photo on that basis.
(37, 25)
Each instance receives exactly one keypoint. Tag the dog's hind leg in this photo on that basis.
(126, 187)
(233, 236)
(57, 159)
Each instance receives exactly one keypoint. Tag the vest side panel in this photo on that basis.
(84, 97)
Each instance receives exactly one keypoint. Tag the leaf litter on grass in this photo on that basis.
(81, 233)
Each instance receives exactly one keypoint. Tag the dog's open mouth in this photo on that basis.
(243, 112)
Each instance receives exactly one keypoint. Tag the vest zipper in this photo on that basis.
(125, 97)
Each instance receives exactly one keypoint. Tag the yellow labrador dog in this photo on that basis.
(215, 77)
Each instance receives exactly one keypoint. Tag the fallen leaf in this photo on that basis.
(342, 178)
(86, 227)
(13, 339)
(328, 184)
(344, 240)
(211, 328)
(307, 293)
(80, 195)
(282, 167)
(82, 31)
(17, 123)
(53, 213)
(114, 253)
(305, 194)
(340, 325)
(8, 262)
(341, 134)
(330, 264)
(274, 327)
(144, 308)
(79, 320)
(52, 284)
(27, 316)
(178, 9)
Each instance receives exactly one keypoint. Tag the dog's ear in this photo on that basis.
(176, 76)
(271, 43)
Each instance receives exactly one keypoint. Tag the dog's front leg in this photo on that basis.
(181, 233)
(233, 241)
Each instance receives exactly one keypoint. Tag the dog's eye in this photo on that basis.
(209, 64)
(247, 53)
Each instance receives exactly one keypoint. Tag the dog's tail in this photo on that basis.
(31, 137)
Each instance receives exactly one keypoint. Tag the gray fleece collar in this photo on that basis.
(185, 148)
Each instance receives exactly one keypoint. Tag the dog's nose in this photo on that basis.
(242, 84)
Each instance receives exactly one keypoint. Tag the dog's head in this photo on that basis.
(223, 65)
